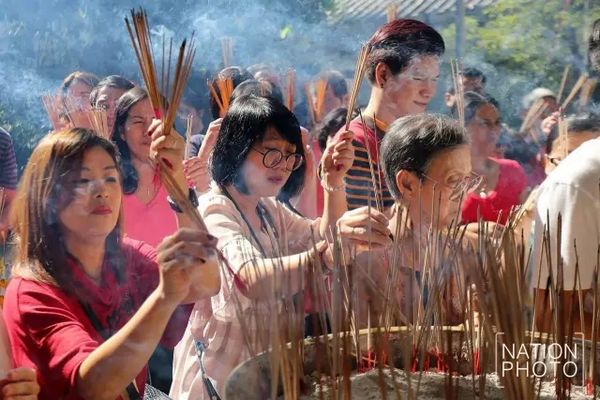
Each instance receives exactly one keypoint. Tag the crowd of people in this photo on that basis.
(113, 287)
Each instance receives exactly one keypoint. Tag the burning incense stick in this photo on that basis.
(563, 82)
(227, 50)
(321, 91)
(98, 118)
(359, 72)
(578, 85)
(392, 11)
(459, 93)
(290, 89)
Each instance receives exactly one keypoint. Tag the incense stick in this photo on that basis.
(221, 93)
(563, 82)
(459, 94)
(359, 72)
(189, 123)
(578, 85)
(290, 89)
(391, 12)
(321, 91)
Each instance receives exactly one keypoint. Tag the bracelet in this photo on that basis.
(191, 196)
(331, 189)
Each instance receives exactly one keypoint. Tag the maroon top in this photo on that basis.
(50, 331)
(497, 204)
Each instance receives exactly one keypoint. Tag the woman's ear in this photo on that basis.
(382, 74)
(408, 184)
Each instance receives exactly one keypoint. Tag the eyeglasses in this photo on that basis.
(467, 184)
(273, 157)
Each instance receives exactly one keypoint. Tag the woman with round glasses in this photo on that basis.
(504, 183)
(267, 246)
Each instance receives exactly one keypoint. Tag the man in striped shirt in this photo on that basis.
(8, 177)
(403, 69)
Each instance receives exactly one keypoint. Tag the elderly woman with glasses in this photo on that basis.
(426, 160)
(267, 246)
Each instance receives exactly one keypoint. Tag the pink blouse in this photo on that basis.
(151, 222)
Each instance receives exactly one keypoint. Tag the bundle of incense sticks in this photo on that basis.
(222, 93)
(320, 92)
(227, 50)
(459, 92)
(563, 82)
(533, 115)
(359, 72)
(578, 85)
(139, 33)
(392, 11)
(98, 119)
(290, 92)
(54, 107)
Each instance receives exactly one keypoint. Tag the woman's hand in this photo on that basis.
(337, 159)
(20, 384)
(549, 122)
(187, 265)
(169, 148)
(364, 229)
(196, 172)
(210, 139)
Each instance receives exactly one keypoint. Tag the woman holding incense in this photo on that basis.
(106, 94)
(258, 154)
(504, 185)
(403, 67)
(86, 307)
(148, 215)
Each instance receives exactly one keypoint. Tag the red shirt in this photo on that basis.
(50, 331)
(505, 196)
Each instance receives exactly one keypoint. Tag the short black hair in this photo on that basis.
(587, 121)
(398, 42)
(112, 81)
(237, 76)
(246, 123)
(257, 88)
(472, 72)
(413, 141)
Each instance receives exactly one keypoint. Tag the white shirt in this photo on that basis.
(572, 191)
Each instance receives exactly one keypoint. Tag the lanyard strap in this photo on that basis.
(132, 391)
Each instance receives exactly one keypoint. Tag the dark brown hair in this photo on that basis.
(41, 253)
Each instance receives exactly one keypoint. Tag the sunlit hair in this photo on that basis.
(398, 42)
(87, 78)
(412, 142)
(111, 81)
(245, 124)
(257, 88)
(472, 102)
(45, 190)
(586, 121)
